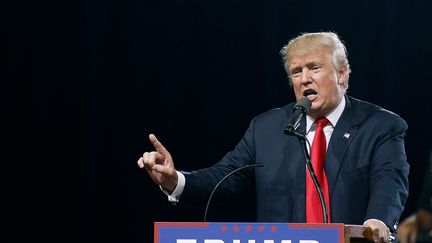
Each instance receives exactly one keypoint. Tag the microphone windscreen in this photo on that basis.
(304, 104)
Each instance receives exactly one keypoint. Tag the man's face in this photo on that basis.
(314, 76)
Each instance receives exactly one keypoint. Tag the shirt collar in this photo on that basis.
(333, 116)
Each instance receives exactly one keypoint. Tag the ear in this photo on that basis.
(342, 74)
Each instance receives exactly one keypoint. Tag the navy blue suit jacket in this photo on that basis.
(366, 167)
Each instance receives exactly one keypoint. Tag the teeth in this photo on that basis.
(310, 96)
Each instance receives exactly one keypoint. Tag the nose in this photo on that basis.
(305, 76)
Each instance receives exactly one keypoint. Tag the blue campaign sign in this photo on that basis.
(190, 232)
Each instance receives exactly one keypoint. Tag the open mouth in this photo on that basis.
(310, 94)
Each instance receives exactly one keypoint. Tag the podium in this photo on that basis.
(357, 234)
(231, 232)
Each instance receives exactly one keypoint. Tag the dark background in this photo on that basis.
(83, 83)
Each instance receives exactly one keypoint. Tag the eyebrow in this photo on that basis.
(309, 64)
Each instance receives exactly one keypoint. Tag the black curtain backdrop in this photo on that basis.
(85, 82)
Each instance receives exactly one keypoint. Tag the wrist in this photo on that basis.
(171, 185)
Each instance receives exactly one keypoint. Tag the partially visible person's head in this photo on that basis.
(318, 69)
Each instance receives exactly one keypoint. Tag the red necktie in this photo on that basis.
(314, 212)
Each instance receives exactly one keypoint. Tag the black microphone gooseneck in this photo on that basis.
(222, 180)
(300, 110)
(303, 141)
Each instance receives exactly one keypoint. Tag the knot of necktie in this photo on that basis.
(321, 122)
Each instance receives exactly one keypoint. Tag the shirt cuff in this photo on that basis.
(174, 197)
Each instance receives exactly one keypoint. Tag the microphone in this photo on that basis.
(301, 108)
(222, 180)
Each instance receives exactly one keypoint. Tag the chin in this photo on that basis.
(314, 107)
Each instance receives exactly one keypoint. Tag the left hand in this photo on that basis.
(380, 231)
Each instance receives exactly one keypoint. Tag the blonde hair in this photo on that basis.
(326, 40)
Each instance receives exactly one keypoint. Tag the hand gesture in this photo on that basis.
(159, 165)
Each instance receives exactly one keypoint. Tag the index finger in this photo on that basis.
(158, 145)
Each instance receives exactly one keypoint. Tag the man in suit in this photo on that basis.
(364, 173)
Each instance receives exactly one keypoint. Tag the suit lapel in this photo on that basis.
(344, 132)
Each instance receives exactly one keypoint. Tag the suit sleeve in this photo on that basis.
(200, 183)
(389, 174)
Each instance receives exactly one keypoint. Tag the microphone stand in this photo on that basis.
(303, 140)
(222, 180)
